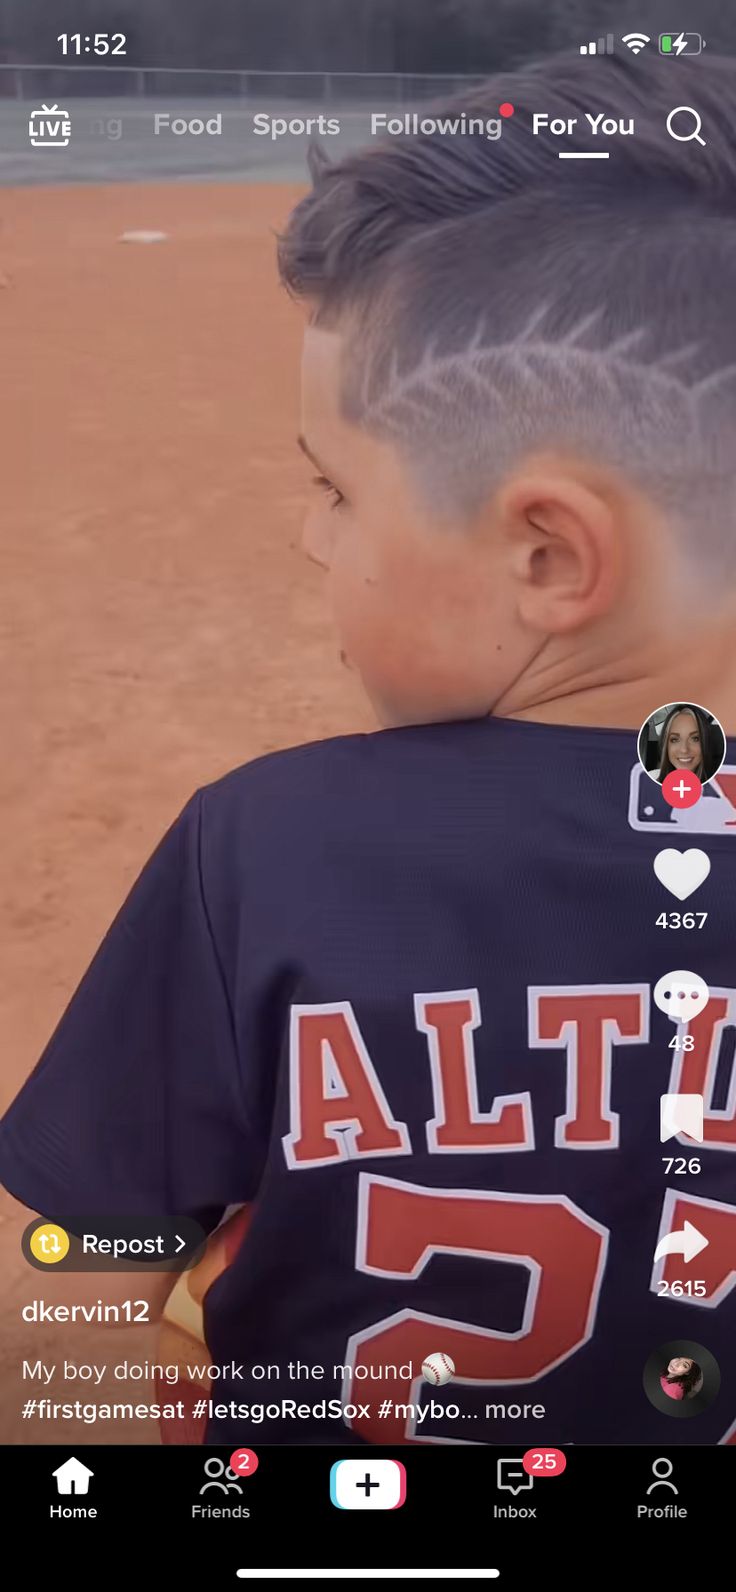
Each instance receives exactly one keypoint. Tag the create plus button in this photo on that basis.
(367, 1484)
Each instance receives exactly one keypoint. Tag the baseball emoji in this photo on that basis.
(438, 1368)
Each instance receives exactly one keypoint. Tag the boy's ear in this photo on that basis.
(564, 549)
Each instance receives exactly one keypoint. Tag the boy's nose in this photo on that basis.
(316, 542)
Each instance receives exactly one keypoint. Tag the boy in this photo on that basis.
(394, 991)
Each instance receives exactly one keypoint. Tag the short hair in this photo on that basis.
(497, 300)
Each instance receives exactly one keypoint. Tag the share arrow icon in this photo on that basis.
(688, 1242)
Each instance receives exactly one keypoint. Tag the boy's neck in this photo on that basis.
(700, 669)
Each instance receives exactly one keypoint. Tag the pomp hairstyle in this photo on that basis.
(496, 300)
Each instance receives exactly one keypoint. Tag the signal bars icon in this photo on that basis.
(603, 46)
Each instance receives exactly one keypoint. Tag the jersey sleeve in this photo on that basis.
(135, 1107)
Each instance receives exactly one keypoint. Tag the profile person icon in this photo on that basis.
(662, 1469)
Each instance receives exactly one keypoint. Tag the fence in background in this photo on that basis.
(45, 84)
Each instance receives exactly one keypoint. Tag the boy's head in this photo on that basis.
(520, 385)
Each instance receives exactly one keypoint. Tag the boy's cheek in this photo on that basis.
(399, 661)
(355, 589)
(368, 625)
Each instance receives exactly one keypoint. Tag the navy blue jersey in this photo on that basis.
(395, 992)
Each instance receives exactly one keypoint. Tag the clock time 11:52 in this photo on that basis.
(91, 43)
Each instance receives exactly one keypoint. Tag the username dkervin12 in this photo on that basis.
(409, 122)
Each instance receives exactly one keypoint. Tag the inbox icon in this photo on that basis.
(368, 1484)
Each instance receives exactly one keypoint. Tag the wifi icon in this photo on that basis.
(635, 41)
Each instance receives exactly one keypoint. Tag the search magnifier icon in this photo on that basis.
(694, 130)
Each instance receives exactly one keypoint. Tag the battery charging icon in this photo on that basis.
(681, 43)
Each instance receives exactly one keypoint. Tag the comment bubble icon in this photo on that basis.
(681, 995)
(512, 1477)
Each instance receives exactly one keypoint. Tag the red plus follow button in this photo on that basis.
(544, 1462)
(681, 789)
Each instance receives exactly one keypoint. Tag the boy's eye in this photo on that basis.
(333, 492)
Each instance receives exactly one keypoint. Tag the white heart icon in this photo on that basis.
(682, 872)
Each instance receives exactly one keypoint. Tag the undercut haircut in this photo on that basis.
(497, 301)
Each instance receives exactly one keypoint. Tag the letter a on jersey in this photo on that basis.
(339, 1111)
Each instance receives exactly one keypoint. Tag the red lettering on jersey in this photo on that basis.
(338, 1109)
(716, 1265)
(448, 1019)
(695, 1071)
(587, 1021)
(401, 1226)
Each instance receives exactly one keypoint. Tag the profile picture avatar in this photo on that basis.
(681, 737)
(681, 1378)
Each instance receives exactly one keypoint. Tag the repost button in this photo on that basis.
(112, 1243)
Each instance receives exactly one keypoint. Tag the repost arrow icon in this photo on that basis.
(686, 1241)
(181, 1243)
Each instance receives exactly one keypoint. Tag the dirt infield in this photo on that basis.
(160, 624)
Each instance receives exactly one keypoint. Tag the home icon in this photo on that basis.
(72, 1476)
